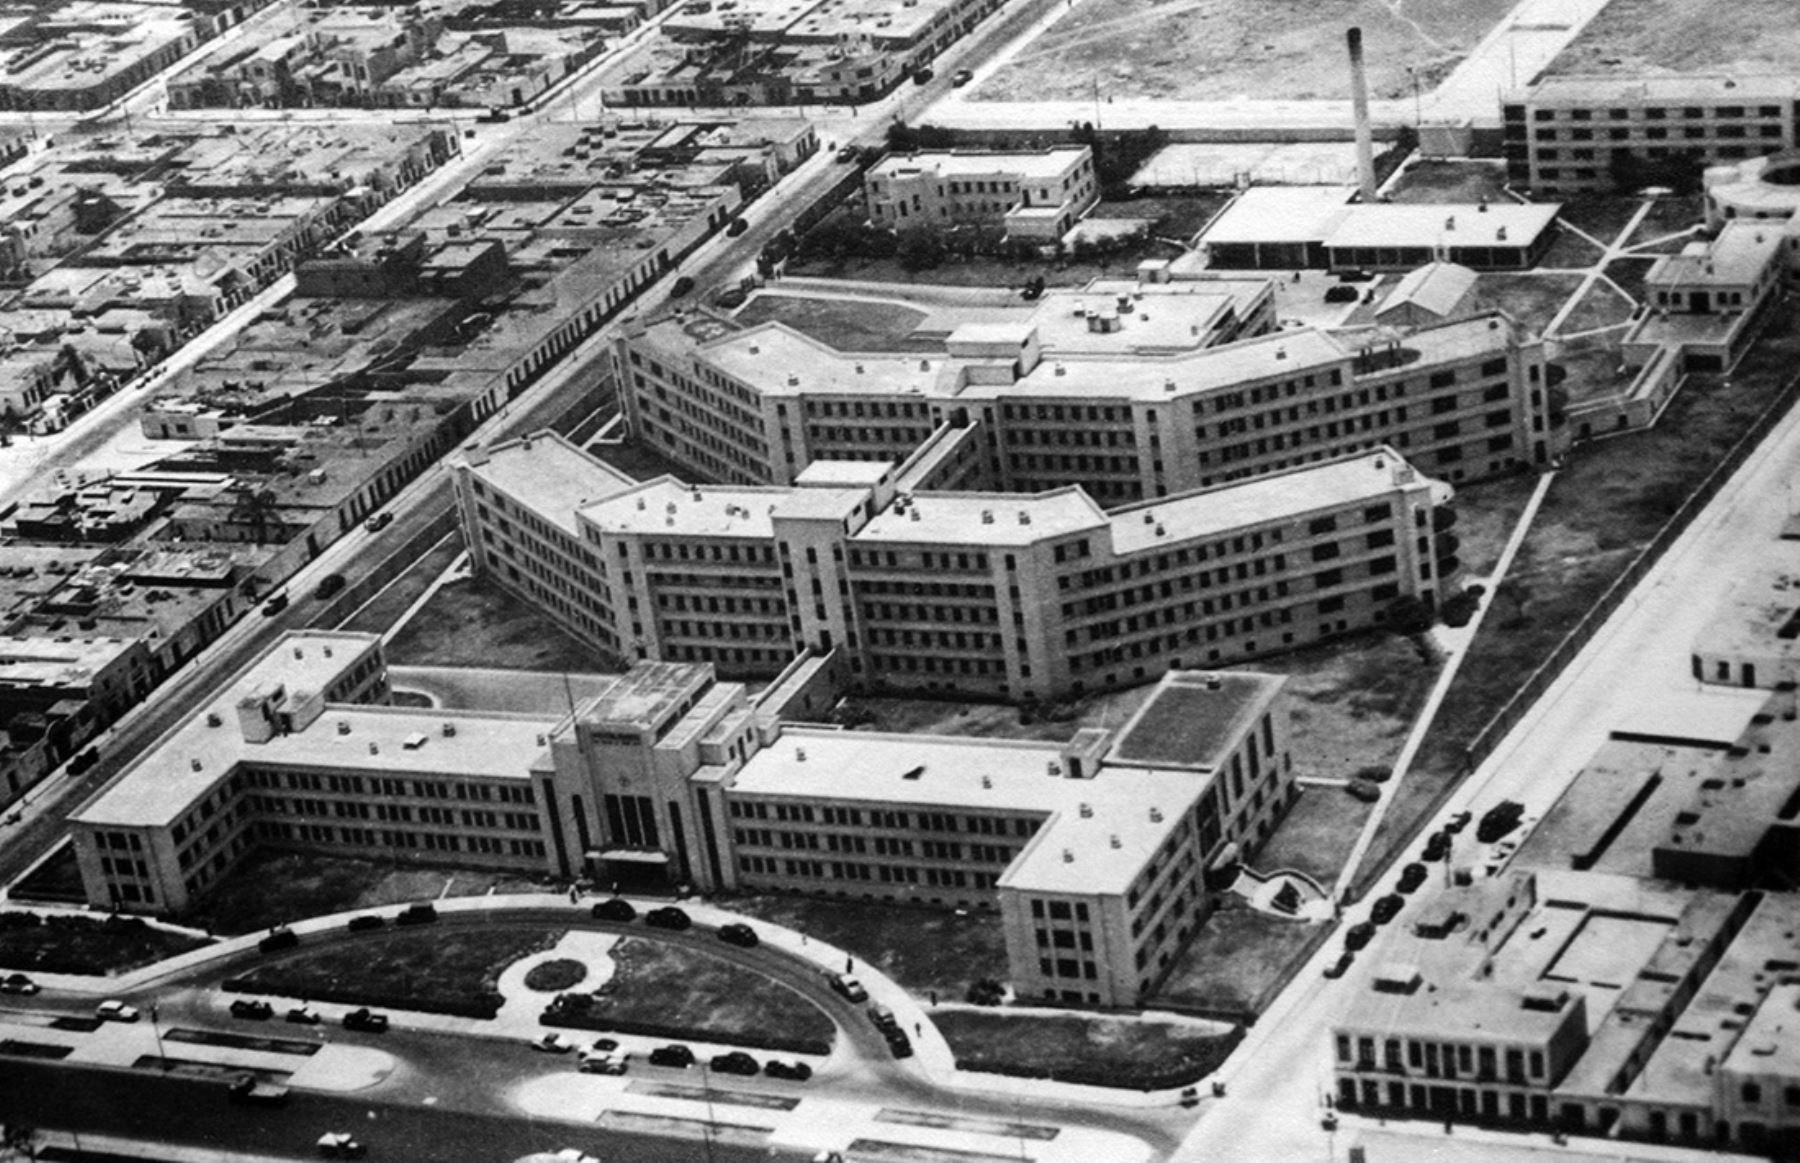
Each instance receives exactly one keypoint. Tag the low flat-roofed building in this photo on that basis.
(1435, 293)
(1754, 639)
(1707, 303)
(1036, 195)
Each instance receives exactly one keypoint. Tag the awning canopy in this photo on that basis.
(630, 856)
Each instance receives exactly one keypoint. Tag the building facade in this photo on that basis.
(1036, 196)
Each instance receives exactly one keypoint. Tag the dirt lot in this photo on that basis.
(1220, 49)
(1635, 37)
(473, 623)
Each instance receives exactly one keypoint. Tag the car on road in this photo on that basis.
(847, 154)
(736, 227)
(378, 521)
(616, 909)
(116, 1011)
(602, 1063)
(791, 1071)
(735, 1062)
(1339, 967)
(17, 983)
(602, 1046)
(253, 1009)
(1363, 790)
(279, 939)
(883, 1018)
(304, 1015)
(1458, 822)
(366, 923)
(923, 74)
(1437, 847)
(329, 585)
(1358, 935)
(1411, 877)
(1498, 820)
(418, 913)
(551, 1043)
(341, 1145)
(849, 988)
(1387, 908)
(682, 286)
(366, 1020)
(739, 934)
(899, 1045)
(275, 604)
(668, 917)
(247, 1088)
(674, 1054)
(962, 77)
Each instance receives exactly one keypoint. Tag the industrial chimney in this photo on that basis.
(1359, 103)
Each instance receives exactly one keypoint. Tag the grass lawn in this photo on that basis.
(1171, 215)
(642, 463)
(56, 879)
(1569, 251)
(925, 950)
(272, 887)
(435, 968)
(998, 720)
(1602, 508)
(1353, 701)
(1531, 299)
(1104, 1051)
(1669, 215)
(1432, 181)
(1629, 274)
(845, 324)
(471, 622)
(1238, 961)
(1486, 513)
(712, 998)
(1600, 307)
(1601, 215)
(89, 945)
(986, 272)
(385, 608)
(1316, 835)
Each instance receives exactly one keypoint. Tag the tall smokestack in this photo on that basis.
(1359, 103)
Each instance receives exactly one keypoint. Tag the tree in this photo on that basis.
(19, 1141)
(256, 508)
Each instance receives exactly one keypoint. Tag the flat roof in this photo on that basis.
(644, 695)
(1279, 214)
(43, 661)
(1770, 1042)
(1230, 365)
(549, 475)
(1048, 163)
(933, 518)
(1414, 224)
(1741, 254)
(1737, 88)
(1195, 718)
(1758, 617)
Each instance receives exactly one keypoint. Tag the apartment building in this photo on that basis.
(1005, 595)
(1096, 853)
(1121, 408)
(1570, 134)
(1037, 195)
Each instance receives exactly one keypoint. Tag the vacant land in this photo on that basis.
(1637, 37)
(1122, 1052)
(1486, 514)
(471, 622)
(1220, 49)
(1239, 960)
(1604, 507)
(709, 997)
(1433, 181)
(88, 945)
(926, 950)
(385, 608)
(1316, 835)
(271, 887)
(846, 324)
(442, 969)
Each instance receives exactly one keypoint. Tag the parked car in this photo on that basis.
(276, 603)
(247, 1088)
(739, 934)
(674, 1054)
(1363, 790)
(668, 917)
(367, 922)
(847, 154)
(1342, 293)
(883, 1018)
(329, 585)
(736, 227)
(962, 77)
(1387, 908)
(735, 1062)
(602, 1063)
(922, 75)
(1437, 847)
(1358, 935)
(116, 1011)
(1457, 822)
(252, 1009)
(849, 988)
(682, 286)
(615, 909)
(551, 1043)
(419, 913)
(366, 1020)
(1498, 820)
(899, 1045)
(1411, 877)
(1338, 968)
(602, 1046)
(17, 983)
(378, 521)
(304, 1015)
(279, 939)
(791, 1071)
(340, 1145)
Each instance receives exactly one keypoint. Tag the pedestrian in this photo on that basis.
(849, 965)
(934, 998)
(918, 1029)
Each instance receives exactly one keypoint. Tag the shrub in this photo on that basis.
(553, 976)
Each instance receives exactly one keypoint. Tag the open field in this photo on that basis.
(1122, 1052)
(272, 887)
(1239, 958)
(1602, 509)
(470, 622)
(1638, 37)
(926, 950)
(1220, 49)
